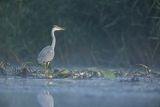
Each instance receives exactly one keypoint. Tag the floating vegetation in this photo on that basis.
(35, 71)
(102, 72)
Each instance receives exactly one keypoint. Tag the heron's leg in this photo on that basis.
(45, 67)
(51, 67)
(48, 65)
(50, 70)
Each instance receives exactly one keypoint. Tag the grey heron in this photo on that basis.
(47, 53)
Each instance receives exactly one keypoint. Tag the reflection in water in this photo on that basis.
(45, 99)
(17, 92)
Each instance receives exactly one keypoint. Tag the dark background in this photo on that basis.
(115, 33)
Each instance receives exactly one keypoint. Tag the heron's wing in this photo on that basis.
(46, 55)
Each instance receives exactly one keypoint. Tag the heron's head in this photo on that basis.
(57, 28)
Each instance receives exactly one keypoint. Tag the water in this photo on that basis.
(20, 92)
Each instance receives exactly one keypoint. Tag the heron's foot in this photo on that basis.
(50, 76)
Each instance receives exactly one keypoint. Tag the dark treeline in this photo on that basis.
(98, 32)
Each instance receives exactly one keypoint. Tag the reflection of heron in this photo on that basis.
(45, 99)
(47, 53)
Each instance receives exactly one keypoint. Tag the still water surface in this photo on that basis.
(30, 92)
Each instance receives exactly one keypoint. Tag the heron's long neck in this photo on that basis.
(53, 40)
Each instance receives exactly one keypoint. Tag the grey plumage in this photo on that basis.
(47, 53)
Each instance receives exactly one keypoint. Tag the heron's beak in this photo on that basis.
(62, 29)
